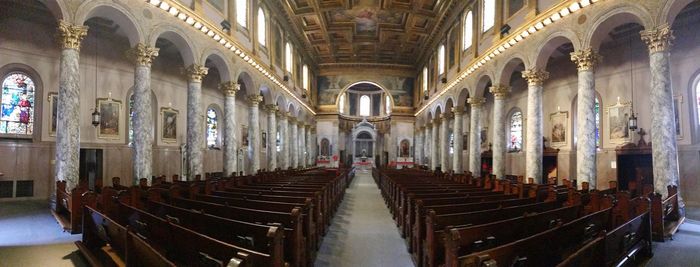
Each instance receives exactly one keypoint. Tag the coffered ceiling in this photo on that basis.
(368, 31)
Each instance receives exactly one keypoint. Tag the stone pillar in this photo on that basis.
(418, 154)
(308, 142)
(428, 128)
(254, 132)
(195, 120)
(500, 141)
(444, 141)
(535, 132)
(143, 56)
(458, 142)
(68, 117)
(586, 60)
(284, 146)
(271, 137)
(663, 134)
(294, 142)
(302, 144)
(475, 135)
(229, 138)
(314, 145)
(434, 145)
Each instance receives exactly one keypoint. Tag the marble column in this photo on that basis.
(434, 145)
(143, 56)
(314, 145)
(68, 117)
(271, 137)
(284, 146)
(663, 134)
(500, 141)
(294, 142)
(195, 120)
(230, 128)
(302, 144)
(254, 132)
(444, 141)
(458, 141)
(535, 144)
(586, 61)
(475, 135)
(418, 155)
(428, 128)
(308, 142)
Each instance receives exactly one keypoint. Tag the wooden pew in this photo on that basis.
(69, 207)
(665, 214)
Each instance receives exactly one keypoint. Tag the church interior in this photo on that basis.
(349, 133)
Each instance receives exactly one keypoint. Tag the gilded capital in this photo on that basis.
(658, 39)
(142, 54)
(535, 77)
(292, 119)
(254, 100)
(281, 114)
(428, 125)
(230, 88)
(272, 108)
(422, 128)
(476, 101)
(499, 91)
(458, 110)
(196, 72)
(586, 59)
(70, 36)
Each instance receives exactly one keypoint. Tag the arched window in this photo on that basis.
(131, 120)
(341, 104)
(278, 142)
(441, 60)
(387, 104)
(452, 143)
(212, 128)
(242, 13)
(289, 61)
(488, 15)
(365, 104)
(515, 142)
(697, 100)
(17, 102)
(467, 35)
(262, 27)
(425, 80)
(305, 77)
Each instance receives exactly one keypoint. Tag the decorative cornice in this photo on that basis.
(230, 88)
(535, 77)
(142, 55)
(254, 100)
(476, 101)
(586, 59)
(196, 72)
(70, 36)
(658, 39)
(499, 91)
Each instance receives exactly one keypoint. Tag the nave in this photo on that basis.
(363, 232)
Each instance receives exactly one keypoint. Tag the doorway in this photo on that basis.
(91, 168)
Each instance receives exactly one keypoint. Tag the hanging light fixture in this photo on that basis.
(96, 117)
(632, 123)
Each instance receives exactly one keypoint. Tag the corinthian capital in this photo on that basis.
(142, 54)
(70, 36)
(586, 59)
(196, 72)
(230, 88)
(476, 101)
(658, 39)
(535, 77)
(254, 100)
(272, 108)
(499, 91)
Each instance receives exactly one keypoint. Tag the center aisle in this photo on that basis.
(362, 232)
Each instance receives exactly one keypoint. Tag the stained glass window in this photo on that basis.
(131, 120)
(262, 28)
(278, 142)
(365, 104)
(212, 128)
(489, 15)
(597, 122)
(242, 13)
(452, 143)
(17, 103)
(516, 132)
(468, 30)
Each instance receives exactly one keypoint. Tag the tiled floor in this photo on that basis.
(363, 234)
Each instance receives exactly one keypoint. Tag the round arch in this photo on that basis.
(606, 22)
(115, 12)
(220, 61)
(248, 84)
(551, 43)
(347, 87)
(184, 45)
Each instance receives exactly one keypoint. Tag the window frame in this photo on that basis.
(245, 19)
(36, 106)
(468, 28)
(262, 42)
(441, 59)
(368, 107)
(484, 29)
(288, 58)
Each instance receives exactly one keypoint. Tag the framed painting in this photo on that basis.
(618, 122)
(560, 128)
(53, 107)
(678, 116)
(244, 136)
(110, 111)
(169, 131)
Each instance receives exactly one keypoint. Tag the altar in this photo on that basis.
(364, 137)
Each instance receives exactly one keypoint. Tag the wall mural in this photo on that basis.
(401, 88)
(366, 15)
